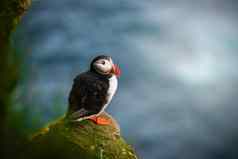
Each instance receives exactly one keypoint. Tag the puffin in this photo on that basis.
(93, 90)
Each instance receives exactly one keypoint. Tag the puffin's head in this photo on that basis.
(104, 65)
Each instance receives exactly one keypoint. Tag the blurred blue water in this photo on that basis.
(177, 96)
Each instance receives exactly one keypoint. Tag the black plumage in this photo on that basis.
(88, 95)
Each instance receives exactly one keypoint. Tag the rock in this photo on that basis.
(81, 140)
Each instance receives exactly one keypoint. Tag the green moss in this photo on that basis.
(83, 139)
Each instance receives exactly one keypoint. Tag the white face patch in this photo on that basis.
(103, 66)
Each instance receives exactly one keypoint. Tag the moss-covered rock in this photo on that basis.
(82, 140)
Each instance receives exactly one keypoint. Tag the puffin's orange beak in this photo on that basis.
(116, 70)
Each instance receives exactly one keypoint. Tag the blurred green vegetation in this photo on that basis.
(25, 120)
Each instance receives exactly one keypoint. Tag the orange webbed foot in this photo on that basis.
(100, 120)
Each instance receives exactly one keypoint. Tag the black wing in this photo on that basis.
(88, 95)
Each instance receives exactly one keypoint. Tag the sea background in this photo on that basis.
(177, 96)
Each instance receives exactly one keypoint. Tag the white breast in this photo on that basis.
(111, 90)
(112, 87)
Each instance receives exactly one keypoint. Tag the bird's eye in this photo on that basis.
(103, 62)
